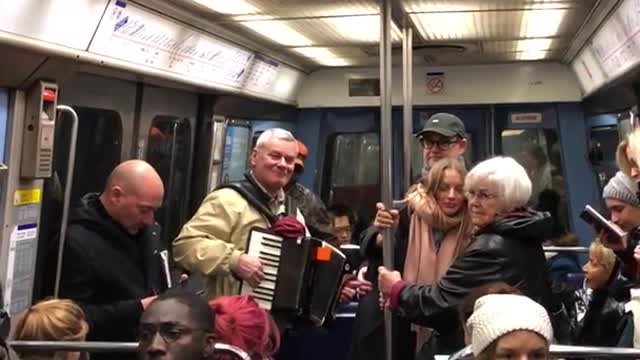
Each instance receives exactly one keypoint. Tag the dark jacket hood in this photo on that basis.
(524, 224)
(91, 214)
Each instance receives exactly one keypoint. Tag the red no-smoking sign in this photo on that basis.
(435, 85)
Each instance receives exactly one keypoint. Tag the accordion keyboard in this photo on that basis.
(268, 249)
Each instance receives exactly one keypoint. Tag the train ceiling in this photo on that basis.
(334, 33)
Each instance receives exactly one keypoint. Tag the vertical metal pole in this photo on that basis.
(385, 149)
(67, 191)
(492, 131)
(407, 97)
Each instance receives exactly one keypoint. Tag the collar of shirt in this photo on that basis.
(276, 203)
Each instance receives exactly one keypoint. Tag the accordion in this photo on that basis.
(302, 276)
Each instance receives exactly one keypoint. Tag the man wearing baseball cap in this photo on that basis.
(443, 136)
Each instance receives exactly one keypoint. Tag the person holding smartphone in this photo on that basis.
(620, 196)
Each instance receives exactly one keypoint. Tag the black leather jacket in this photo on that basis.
(594, 316)
(312, 208)
(508, 250)
(629, 266)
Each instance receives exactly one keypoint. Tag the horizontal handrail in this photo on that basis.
(566, 351)
(578, 249)
(104, 347)
(91, 346)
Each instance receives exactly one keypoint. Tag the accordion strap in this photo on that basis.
(245, 190)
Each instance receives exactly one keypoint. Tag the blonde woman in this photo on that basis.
(430, 236)
(52, 320)
(628, 155)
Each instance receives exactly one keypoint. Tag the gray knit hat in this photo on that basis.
(622, 188)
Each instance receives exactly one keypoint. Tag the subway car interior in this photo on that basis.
(188, 85)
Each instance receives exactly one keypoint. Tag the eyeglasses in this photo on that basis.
(444, 144)
(481, 195)
(169, 332)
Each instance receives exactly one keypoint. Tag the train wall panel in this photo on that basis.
(532, 82)
(582, 187)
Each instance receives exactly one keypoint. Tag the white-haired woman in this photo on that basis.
(506, 246)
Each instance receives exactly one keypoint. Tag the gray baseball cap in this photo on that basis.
(444, 124)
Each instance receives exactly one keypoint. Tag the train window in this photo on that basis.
(356, 160)
(236, 153)
(538, 151)
(355, 172)
(624, 127)
(169, 152)
(98, 149)
(603, 142)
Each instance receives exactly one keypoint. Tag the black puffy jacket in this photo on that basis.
(108, 271)
(594, 316)
(509, 250)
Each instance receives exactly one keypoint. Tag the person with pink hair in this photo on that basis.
(240, 322)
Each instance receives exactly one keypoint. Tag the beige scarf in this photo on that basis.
(424, 263)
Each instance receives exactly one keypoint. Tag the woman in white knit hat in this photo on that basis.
(505, 326)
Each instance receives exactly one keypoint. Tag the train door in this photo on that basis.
(530, 135)
(105, 110)
(167, 124)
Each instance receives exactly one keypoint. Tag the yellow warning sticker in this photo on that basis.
(26, 197)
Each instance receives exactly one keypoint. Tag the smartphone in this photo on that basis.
(599, 223)
(354, 259)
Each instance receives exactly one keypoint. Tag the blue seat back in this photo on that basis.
(575, 280)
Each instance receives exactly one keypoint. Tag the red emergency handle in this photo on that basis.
(49, 95)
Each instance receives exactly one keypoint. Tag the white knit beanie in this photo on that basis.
(496, 315)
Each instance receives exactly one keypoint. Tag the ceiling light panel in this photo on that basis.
(281, 9)
(445, 26)
(493, 25)
(334, 31)
(361, 28)
(229, 7)
(416, 6)
(323, 56)
(278, 32)
(315, 52)
(522, 45)
(534, 44)
(542, 23)
(532, 55)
